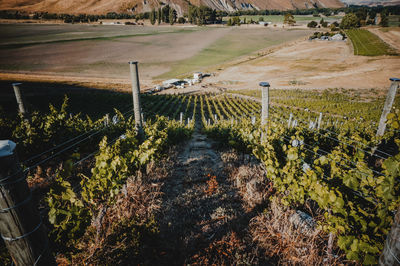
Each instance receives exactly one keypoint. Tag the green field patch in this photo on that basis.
(368, 44)
(280, 18)
(394, 21)
(239, 42)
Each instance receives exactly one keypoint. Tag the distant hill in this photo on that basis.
(372, 2)
(104, 6)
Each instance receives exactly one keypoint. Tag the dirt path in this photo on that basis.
(203, 207)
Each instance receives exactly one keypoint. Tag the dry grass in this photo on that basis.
(283, 241)
(123, 230)
(230, 250)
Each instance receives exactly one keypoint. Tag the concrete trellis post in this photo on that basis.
(319, 121)
(107, 120)
(136, 96)
(20, 99)
(388, 105)
(20, 223)
(265, 102)
(290, 119)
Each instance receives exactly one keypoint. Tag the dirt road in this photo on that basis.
(202, 206)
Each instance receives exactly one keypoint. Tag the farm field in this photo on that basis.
(368, 44)
(310, 64)
(103, 51)
(302, 20)
(198, 164)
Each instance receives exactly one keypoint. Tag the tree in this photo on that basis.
(172, 16)
(350, 21)
(312, 24)
(260, 19)
(289, 19)
(384, 19)
(324, 23)
(181, 20)
(165, 14)
(153, 16)
(159, 16)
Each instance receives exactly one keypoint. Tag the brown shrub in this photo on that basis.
(288, 244)
(122, 231)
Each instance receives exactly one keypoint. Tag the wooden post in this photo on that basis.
(20, 223)
(319, 121)
(20, 99)
(388, 105)
(136, 99)
(265, 102)
(391, 251)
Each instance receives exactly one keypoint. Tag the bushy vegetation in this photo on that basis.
(108, 215)
(328, 167)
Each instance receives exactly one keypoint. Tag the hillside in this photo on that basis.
(104, 6)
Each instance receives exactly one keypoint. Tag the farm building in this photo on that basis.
(337, 37)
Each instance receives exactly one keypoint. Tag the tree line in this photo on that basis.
(203, 15)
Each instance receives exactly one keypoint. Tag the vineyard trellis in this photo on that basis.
(334, 164)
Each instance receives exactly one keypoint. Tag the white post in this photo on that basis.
(265, 102)
(20, 98)
(107, 120)
(319, 121)
(253, 120)
(290, 119)
(181, 118)
(388, 105)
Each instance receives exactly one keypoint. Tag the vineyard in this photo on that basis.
(93, 175)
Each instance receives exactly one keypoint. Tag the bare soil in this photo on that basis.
(294, 64)
(311, 64)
